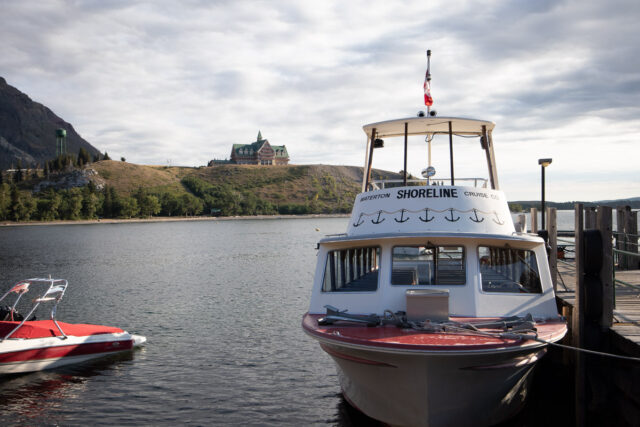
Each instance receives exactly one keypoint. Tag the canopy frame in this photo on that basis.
(431, 126)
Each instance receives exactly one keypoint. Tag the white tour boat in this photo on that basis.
(434, 309)
(28, 345)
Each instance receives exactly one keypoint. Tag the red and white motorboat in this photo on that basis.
(33, 345)
(432, 306)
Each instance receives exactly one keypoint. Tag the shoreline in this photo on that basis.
(166, 219)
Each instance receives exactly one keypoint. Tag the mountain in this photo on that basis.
(27, 130)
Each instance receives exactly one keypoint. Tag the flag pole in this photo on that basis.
(429, 137)
(428, 76)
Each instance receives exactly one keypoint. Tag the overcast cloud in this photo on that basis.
(180, 81)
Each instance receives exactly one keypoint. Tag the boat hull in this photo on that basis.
(30, 355)
(431, 390)
(404, 377)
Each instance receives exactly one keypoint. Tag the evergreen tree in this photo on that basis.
(83, 157)
(5, 201)
(71, 204)
(90, 204)
(106, 156)
(19, 171)
(107, 204)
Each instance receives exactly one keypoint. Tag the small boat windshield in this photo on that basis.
(41, 291)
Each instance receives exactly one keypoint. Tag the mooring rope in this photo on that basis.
(584, 350)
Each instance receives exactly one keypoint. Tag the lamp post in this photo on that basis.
(543, 163)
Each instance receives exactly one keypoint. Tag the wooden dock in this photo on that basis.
(599, 294)
(626, 311)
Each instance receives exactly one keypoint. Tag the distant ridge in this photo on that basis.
(27, 130)
(633, 202)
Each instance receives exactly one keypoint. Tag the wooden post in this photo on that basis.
(604, 224)
(631, 231)
(534, 220)
(522, 222)
(578, 321)
(590, 217)
(633, 239)
(620, 236)
(553, 243)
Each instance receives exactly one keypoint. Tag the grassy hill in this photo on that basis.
(324, 188)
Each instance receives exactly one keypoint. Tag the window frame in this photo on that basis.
(436, 253)
(521, 294)
(348, 261)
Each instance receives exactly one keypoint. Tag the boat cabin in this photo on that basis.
(450, 242)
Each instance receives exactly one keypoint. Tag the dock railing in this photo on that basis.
(562, 243)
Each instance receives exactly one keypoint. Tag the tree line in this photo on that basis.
(90, 203)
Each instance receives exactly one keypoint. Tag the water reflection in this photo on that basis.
(39, 396)
(348, 416)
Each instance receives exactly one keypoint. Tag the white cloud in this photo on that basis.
(161, 80)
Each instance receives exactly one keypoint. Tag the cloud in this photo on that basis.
(162, 80)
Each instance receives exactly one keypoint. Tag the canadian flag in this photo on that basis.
(428, 100)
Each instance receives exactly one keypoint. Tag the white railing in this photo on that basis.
(380, 184)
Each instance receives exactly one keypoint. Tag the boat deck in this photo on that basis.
(393, 337)
(46, 328)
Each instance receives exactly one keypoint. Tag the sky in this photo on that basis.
(178, 82)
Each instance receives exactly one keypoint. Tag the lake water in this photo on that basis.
(220, 303)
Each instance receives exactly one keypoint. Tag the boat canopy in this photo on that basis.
(428, 125)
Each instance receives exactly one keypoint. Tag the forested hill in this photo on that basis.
(115, 189)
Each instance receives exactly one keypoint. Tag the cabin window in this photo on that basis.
(352, 270)
(509, 270)
(428, 265)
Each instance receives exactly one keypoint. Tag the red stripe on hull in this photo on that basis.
(335, 353)
(66, 351)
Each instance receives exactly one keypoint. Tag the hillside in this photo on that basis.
(27, 130)
(327, 188)
(526, 205)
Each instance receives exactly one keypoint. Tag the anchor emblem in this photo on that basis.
(426, 216)
(402, 218)
(497, 219)
(378, 220)
(451, 219)
(360, 221)
(475, 212)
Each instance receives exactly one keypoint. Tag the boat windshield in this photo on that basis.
(425, 265)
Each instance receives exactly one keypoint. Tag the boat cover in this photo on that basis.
(46, 328)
